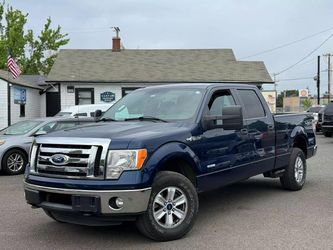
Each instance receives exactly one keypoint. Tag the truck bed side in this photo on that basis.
(293, 130)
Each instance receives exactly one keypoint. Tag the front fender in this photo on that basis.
(165, 153)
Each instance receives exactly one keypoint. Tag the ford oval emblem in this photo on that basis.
(59, 159)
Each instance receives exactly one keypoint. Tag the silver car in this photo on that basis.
(15, 140)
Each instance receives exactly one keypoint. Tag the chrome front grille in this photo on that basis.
(69, 157)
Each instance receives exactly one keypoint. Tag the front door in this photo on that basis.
(52, 103)
(222, 152)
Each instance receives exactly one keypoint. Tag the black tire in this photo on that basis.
(289, 180)
(49, 213)
(7, 168)
(146, 222)
(328, 134)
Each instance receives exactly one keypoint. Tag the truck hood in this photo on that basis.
(130, 134)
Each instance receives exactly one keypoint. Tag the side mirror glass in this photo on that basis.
(231, 119)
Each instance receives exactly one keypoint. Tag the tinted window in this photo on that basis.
(314, 109)
(64, 125)
(47, 127)
(219, 100)
(329, 108)
(252, 104)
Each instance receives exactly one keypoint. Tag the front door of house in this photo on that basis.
(52, 103)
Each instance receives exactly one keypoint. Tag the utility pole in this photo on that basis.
(329, 71)
(318, 81)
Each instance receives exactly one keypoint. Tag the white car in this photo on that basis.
(87, 110)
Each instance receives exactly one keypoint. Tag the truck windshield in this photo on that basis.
(160, 103)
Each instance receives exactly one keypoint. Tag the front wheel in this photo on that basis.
(295, 174)
(172, 208)
(14, 162)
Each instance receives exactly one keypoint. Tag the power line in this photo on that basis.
(293, 79)
(286, 44)
(302, 59)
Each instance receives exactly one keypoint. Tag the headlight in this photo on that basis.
(121, 160)
(2, 142)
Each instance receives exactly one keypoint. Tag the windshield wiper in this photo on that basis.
(107, 119)
(145, 118)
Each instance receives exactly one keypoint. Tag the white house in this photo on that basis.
(88, 76)
(21, 98)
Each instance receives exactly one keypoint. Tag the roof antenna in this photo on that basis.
(117, 30)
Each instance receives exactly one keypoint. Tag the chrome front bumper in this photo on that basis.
(134, 201)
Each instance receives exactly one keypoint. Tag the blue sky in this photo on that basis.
(245, 26)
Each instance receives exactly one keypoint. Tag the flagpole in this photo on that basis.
(8, 100)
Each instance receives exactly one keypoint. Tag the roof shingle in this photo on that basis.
(179, 65)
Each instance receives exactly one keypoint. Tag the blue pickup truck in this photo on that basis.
(152, 152)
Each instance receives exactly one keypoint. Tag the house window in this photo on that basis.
(22, 110)
(126, 91)
(84, 96)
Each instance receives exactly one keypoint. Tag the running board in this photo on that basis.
(275, 173)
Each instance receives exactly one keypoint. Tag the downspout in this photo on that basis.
(8, 104)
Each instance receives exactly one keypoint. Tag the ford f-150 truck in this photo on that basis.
(152, 152)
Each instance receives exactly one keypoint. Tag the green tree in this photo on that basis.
(34, 55)
(307, 103)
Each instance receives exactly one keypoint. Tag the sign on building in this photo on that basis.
(304, 93)
(270, 97)
(108, 96)
(20, 96)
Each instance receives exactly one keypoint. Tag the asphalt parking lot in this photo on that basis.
(254, 214)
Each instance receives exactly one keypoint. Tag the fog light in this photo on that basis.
(116, 203)
(119, 202)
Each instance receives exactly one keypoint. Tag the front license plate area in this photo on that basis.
(88, 204)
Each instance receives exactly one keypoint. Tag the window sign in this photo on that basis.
(20, 96)
(108, 96)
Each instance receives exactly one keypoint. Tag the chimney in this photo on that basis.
(116, 44)
(116, 40)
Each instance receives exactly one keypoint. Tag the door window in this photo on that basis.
(219, 100)
(252, 104)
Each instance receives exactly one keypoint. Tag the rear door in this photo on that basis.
(260, 128)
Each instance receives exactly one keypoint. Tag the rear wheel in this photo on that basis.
(172, 208)
(328, 134)
(14, 162)
(295, 175)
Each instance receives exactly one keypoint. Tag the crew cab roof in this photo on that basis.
(202, 85)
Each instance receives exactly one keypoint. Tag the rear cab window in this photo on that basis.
(252, 105)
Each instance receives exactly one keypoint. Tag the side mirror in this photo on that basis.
(98, 113)
(231, 119)
(38, 133)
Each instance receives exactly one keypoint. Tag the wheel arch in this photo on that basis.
(300, 142)
(175, 157)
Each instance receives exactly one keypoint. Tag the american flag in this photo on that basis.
(13, 67)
